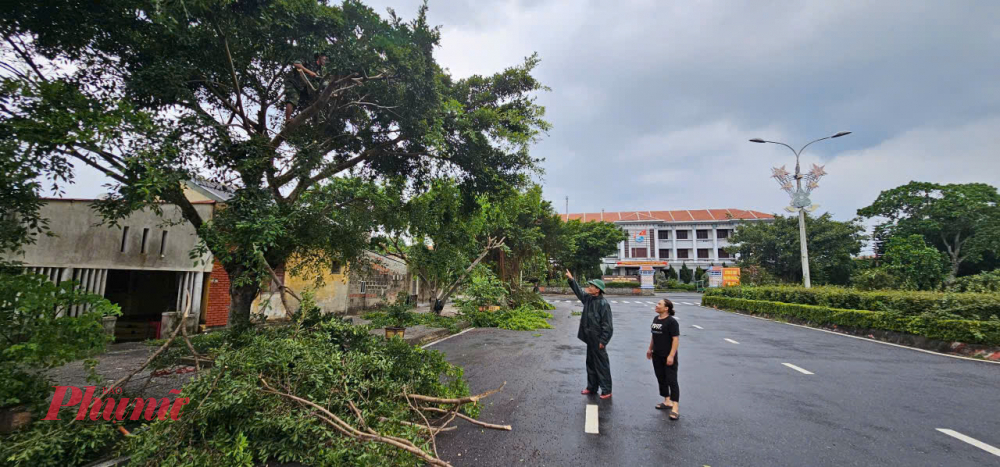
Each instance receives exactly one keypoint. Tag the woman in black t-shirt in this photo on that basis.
(663, 352)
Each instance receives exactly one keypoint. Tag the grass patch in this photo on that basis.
(523, 318)
(381, 319)
(576, 313)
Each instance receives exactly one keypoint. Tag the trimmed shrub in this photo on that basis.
(948, 330)
(620, 285)
(910, 303)
(984, 282)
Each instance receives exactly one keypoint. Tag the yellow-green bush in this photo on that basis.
(974, 306)
(949, 330)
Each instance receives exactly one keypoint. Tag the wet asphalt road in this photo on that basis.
(866, 403)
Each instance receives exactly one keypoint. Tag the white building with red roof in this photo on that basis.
(671, 238)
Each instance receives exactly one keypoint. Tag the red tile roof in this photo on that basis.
(685, 215)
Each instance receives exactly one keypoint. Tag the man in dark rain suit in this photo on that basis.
(595, 330)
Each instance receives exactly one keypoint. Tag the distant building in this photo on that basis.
(664, 239)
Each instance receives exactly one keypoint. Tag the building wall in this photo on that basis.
(217, 311)
(378, 284)
(667, 249)
(79, 241)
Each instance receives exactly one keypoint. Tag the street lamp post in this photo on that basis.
(800, 197)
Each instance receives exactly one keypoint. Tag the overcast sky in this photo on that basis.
(653, 102)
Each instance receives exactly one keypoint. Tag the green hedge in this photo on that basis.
(621, 285)
(948, 330)
(975, 306)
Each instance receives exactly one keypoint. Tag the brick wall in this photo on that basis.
(217, 313)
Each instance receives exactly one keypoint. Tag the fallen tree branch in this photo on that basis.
(461, 400)
(469, 419)
(340, 425)
(419, 426)
(163, 348)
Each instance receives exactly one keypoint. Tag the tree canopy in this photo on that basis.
(774, 246)
(961, 220)
(584, 244)
(153, 94)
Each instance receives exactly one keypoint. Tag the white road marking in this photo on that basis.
(800, 370)
(624, 302)
(446, 338)
(651, 303)
(687, 303)
(614, 301)
(591, 426)
(696, 326)
(731, 341)
(973, 441)
(699, 303)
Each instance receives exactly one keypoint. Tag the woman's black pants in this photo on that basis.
(667, 377)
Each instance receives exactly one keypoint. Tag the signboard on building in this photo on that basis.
(640, 237)
(646, 274)
(715, 276)
(730, 277)
(641, 263)
(620, 278)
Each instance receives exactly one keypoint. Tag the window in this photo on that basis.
(639, 253)
(682, 254)
(142, 246)
(163, 242)
(335, 268)
(663, 235)
(723, 254)
(124, 238)
(703, 253)
(722, 233)
(702, 234)
(682, 234)
(664, 253)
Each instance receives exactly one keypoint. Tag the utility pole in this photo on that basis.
(800, 198)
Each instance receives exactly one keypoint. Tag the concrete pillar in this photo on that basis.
(715, 243)
(655, 245)
(673, 244)
(199, 281)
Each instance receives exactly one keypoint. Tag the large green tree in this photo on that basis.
(961, 220)
(774, 246)
(153, 93)
(442, 235)
(584, 244)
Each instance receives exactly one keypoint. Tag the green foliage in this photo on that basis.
(524, 318)
(915, 265)
(381, 319)
(948, 330)
(584, 244)
(774, 247)
(908, 303)
(58, 443)
(153, 94)
(484, 288)
(699, 273)
(621, 285)
(36, 335)
(984, 282)
(878, 278)
(685, 274)
(330, 363)
(674, 284)
(525, 296)
(960, 220)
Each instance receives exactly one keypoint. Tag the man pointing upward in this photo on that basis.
(595, 331)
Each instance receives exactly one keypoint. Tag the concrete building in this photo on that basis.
(664, 239)
(143, 264)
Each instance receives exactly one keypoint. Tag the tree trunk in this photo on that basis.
(241, 297)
